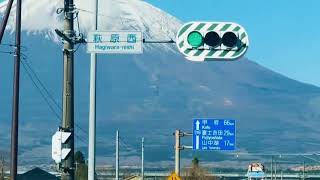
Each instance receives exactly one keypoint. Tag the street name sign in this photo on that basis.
(115, 42)
(214, 134)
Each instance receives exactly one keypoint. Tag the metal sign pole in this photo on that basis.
(142, 158)
(177, 153)
(92, 109)
(117, 155)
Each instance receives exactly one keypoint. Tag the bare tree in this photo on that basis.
(196, 172)
(81, 172)
(126, 173)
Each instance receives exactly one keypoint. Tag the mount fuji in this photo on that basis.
(148, 95)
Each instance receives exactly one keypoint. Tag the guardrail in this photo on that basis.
(226, 175)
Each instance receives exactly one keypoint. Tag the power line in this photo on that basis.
(4, 44)
(24, 48)
(123, 21)
(6, 52)
(11, 45)
(32, 74)
(81, 139)
(47, 91)
(87, 11)
(42, 85)
(126, 145)
(158, 145)
(43, 96)
(139, 40)
(132, 149)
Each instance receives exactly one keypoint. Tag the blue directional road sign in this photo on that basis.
(214, 134)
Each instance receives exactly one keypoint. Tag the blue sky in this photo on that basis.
(284, 34)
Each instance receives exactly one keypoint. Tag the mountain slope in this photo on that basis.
(151, 94)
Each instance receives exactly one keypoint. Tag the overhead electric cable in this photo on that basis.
(32, 74)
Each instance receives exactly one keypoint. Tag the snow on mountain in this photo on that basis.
(114, 15)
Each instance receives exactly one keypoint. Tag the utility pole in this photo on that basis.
(76, 163)
(2, 168)
(15, 99)
(68, 88)
(92, 108)
(117, 155)
(142, 158)
(178, 148)
(271, 167)
(177, 152)
(275, 169)
(304, 170)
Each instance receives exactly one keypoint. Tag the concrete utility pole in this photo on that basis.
(304, 170)
(92, 108)
(117, 155)
(275, 169)
(142, 158)
(68, 88)
(2, 169)
(15, 99)
(178, 148)
(271, 167)
(177, 152)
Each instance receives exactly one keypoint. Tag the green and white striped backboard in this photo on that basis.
(205, 41)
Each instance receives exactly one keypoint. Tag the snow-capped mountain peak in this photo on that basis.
(113, 15)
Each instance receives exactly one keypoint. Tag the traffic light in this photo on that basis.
(59, 153)
(200, 41)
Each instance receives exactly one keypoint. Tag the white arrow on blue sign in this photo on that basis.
(214, 134)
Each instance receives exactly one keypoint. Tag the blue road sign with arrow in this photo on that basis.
(214, 134)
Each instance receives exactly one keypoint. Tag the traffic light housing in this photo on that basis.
(200, 41)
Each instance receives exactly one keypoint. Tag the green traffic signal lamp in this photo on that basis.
(230, 39)
(195, 39)
(212, 39)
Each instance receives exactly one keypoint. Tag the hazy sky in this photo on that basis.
(284, 34)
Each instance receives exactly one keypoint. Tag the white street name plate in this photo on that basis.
(115, 42)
